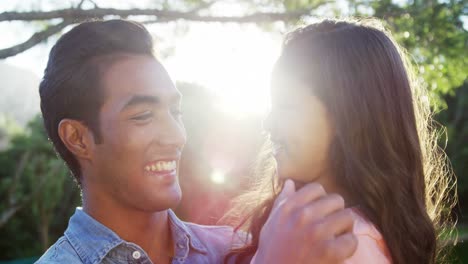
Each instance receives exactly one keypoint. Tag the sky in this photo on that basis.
(233, 61)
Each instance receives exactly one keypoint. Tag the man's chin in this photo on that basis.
(164, 199)
(162, 206)
(172, 197)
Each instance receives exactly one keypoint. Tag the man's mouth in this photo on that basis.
(161, 166)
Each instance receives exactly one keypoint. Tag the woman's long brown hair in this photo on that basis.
(385, 152)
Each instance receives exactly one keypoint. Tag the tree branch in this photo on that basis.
(77, 14)
(83, 14)
(192, 11)
(35, 39)
(203, 6)
(6, 215)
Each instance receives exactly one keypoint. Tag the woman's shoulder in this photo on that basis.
(364, 227)
(371, 244)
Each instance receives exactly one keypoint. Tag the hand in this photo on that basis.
(307, 226)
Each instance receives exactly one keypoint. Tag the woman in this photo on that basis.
(347, 113)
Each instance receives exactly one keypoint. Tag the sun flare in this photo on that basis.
(233, 61)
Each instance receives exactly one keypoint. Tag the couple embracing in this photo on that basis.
(352, 174)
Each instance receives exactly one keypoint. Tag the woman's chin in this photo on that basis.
(299, 184)
(284, 174)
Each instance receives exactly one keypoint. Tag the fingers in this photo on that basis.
(307, 217)
(334, 225)
(294, 201)
(324, 206)
(340, 222)
(341, 248)
(310, 194)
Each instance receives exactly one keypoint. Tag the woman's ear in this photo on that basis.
(76, 137)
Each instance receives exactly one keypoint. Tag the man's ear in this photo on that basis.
(76, 137)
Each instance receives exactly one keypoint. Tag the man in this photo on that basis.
(113, 114)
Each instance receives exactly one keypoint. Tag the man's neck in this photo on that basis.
(149, 230)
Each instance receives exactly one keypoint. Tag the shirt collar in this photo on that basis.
(182, 234)
(90, 239)
(93, 240)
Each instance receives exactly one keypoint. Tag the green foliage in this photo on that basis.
(37, 192)
(455, 119)
(301, 4)
(434, 35)
(8, 127)
(460, 253)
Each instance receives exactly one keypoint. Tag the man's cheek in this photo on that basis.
(128, 138)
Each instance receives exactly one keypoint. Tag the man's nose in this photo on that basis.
(172, 133)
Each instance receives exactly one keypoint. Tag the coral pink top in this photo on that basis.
(371, 245)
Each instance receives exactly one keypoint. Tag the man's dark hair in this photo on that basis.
(70, 86)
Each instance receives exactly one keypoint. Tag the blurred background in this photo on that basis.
(220, 53)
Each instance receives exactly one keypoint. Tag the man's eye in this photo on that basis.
(142, 117)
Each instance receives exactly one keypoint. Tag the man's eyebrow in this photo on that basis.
(141, 99)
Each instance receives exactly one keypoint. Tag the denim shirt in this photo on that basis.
(88, 241)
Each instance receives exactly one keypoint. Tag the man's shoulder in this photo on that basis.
(60, 252)
(222, 236)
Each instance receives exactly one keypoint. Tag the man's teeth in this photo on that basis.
(162, 166)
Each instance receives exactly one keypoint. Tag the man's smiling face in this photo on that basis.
(142, 136)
